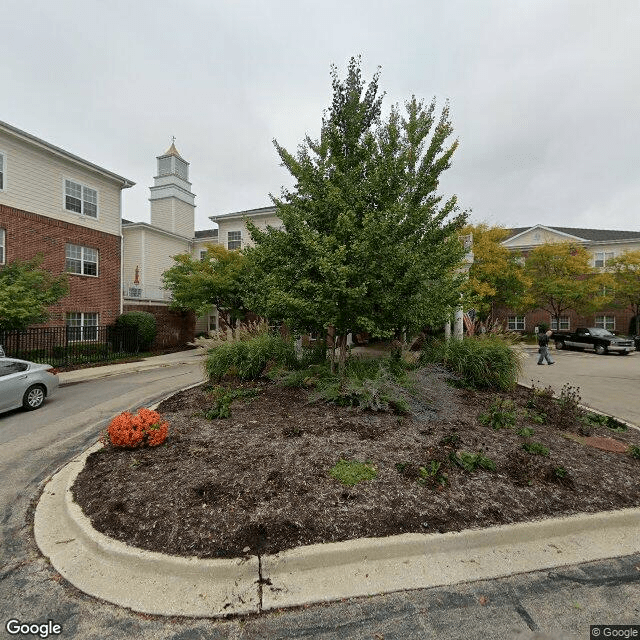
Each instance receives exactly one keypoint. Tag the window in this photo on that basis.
(515, 323)
(602, 258)
(80, 199)
(181, 169)
(2, 245)
(81, 260)
(605, 322)
(564, 324)
(164, 166)
(7, 368)
(2, 170)
(82, 326)
(234, 240)
(203, 254)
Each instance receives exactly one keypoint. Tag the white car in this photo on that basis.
(25, 384)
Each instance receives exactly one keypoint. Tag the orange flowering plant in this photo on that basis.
(145, 428)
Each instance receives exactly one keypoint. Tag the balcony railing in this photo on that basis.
(133, 291)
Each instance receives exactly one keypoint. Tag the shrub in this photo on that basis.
(248, 359)
(481, 363)
(634, 451)
(525, 432)
(223, 399)
(431, 474)
(350, 472)
(472, 461)
(501, 414)
(536, 448)
(145, 323)
(145, 428)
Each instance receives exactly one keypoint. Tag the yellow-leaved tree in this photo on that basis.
(625, 270)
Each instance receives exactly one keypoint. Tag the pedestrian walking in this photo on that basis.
(543, 344)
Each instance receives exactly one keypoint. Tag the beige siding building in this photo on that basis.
(602, 244)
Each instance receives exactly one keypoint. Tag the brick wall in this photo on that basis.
(175, 328)
(28, 234)
(623, 318)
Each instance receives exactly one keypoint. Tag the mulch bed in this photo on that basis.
(258, 482)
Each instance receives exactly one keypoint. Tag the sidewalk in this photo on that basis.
(168, 360)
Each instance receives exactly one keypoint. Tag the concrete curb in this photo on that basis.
(161, 584)
(95, 373)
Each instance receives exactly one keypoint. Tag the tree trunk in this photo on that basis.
(331, 341)
(342, 343)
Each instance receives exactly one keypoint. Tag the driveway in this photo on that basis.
(609, 383)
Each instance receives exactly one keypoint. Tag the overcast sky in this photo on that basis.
(544, 94)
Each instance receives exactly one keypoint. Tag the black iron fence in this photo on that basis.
(64, 346)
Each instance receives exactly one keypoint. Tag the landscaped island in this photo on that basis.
(290, 466)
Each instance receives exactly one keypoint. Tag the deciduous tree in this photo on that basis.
(496, 277)
(26, 292)
(562, 278)
(368, 244)
(218, 281)
(625, 270)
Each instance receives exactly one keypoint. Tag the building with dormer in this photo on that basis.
(604, 245)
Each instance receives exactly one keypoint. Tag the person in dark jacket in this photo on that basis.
(543, 343)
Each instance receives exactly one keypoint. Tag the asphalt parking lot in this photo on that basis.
(609, 383)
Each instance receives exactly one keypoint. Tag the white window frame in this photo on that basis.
(83, 260)
(565, 324)
(3, 245)
(516, 323)
(83, 326)
(606, 257)
(83, 187)
(603, 322)
(238, 240)
(3, 170)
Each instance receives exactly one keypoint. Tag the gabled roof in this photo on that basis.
(126, 183)
(593, 235)
(261, 211)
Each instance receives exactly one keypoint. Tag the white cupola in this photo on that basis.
(172, 203)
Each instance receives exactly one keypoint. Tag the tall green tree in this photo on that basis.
(562, 278)
(218, 281)
(26, 292)
(496, 278)
(368, 244)
(625, 270)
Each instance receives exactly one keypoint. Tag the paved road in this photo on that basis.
(610, 383)
(564, 600)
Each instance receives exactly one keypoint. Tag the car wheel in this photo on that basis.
(624, 353)
(34, 397)
(560, 345)
(600, 349)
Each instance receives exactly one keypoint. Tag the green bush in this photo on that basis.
(222, 401)
(248, 359)
(486, 362)
(501, 414)
(472, 461)
(145, 323)
(536, 448)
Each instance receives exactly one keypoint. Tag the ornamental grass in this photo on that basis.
(147, 427)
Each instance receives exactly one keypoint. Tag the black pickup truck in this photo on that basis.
(600, 340)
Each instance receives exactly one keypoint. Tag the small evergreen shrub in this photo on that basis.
(525, 432)
(481, 363)
(145, 323)
(248, 359)
(634, 451)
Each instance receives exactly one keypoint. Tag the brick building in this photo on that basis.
(68, 210)
(603, 244)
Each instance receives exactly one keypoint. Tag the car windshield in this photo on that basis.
(600, 333)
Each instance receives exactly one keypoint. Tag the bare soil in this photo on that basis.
(258, 482)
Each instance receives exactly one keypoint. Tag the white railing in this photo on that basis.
(133, 291)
